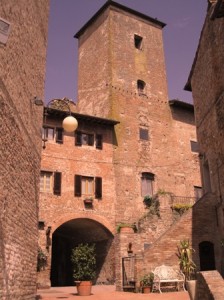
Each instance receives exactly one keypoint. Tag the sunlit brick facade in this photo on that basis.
(130, 141)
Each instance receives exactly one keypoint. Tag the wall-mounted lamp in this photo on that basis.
(69, 123)
(37, 101)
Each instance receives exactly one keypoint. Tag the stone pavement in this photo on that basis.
(106, 292)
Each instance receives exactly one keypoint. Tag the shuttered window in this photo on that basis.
(50, 182)
(84, 185)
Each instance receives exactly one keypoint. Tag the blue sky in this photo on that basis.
(184, 19)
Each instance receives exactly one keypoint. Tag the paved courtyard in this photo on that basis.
(106, 292)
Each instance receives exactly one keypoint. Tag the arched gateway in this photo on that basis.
(73, 232)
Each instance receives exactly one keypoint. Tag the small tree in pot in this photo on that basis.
(187, 266)
(83, 258)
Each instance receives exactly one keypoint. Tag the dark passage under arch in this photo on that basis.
(69, 235)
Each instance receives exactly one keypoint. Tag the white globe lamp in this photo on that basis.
(70, 124)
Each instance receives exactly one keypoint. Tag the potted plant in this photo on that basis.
(187, 266)
(88, 200)
(146, 282)
(83, 259)
(41, 260)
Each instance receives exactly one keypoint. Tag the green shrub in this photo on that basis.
(83, 258)
(181, 207)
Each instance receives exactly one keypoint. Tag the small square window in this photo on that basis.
(144, 134)
(138, 41)
(194, 146)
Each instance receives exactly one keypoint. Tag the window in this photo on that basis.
(88, 186)
(50, 182)
(46, 181)
(197, 192)
(82, 138)
(144, 134)
(53, 134)
(48, 133)
(141, 87)
(194, 146)
(138, 41)
(147, 184)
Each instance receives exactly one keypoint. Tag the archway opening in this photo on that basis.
(69, 235)
(207, 257)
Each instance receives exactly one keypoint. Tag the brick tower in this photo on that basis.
(125, 79)
(130, 142)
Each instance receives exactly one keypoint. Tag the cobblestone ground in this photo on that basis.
(106, 292)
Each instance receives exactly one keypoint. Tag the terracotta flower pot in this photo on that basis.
(84, 288)
(126, 230)
(146, 289)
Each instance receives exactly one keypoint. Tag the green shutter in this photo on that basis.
(57, 183)
(78, 186)
(98, 187)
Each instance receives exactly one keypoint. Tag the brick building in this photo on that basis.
(23, 38)
(207, 86)
(131, 141)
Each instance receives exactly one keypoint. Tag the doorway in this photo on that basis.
(207, 257)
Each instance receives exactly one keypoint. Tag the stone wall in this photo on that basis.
(22, 65)
(207, 85)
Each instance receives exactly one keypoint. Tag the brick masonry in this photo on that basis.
(108, 90)
(209, 286)
(22, 65)
(206, 83)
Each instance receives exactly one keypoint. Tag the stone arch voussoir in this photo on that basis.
(67, 217)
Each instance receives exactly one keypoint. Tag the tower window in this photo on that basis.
(138, 41)
(144, 134)
(141, 87)
(194, 146)
(147, 183)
